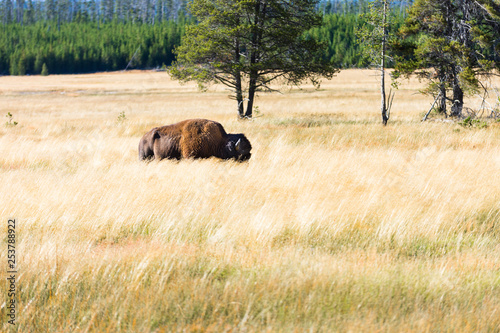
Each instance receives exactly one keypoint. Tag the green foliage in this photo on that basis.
(45, 70)
(374, 32)
(372, 29)
(256, 111)
(470, 122)
(121, 117)
(338, 32)
(10, 120)
(452, 44)
(82, 47)
(260, 41)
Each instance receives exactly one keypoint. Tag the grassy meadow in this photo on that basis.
(335, 224)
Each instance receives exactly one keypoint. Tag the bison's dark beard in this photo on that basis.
(243, 158)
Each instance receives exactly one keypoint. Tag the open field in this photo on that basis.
(335, 224)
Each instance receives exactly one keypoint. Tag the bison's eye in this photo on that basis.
(230, 146)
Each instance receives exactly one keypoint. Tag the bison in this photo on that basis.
(193, 138)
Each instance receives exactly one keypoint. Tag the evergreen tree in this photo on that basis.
(13, 65)
(45, 70)
(38, 64)
(453, 43)
(21, 65)
(256, 40)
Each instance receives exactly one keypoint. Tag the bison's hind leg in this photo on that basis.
(146, 145)
(145, 152)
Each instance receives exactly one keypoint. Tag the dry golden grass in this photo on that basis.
(335, 224)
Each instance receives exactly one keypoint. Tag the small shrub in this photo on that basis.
(256, 111)
(483, 125)
(10, 122)
(45, 70)
(470, 122)
(121, 117)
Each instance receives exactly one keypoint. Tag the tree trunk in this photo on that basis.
(239, 95)
(237, 79)
(20, 11)
(383, 106)
(259, 18)
(458, 94)
(251, 93)
(442, 99)
(458, 99)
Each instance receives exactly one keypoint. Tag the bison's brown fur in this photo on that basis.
(193, 138)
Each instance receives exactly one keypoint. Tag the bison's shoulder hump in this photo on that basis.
(205, 128)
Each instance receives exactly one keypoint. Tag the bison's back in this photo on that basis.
(201, 138)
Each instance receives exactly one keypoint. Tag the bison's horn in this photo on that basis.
(237, 146)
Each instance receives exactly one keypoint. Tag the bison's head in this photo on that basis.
(239, 147)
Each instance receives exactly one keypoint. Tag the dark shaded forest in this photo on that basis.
(79, 36)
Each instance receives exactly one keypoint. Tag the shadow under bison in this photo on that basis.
(193, 138)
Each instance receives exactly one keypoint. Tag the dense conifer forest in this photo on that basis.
(79, 47)
(81, 36)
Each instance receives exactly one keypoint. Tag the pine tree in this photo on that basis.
(13, 65)
(256, 40)
(45, 70)
(452, 44)
(21, 65)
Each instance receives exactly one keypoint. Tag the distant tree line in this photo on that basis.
(82, 47)
(80, 36)
(143, 11)
(338, 31)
